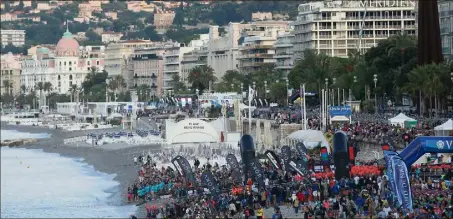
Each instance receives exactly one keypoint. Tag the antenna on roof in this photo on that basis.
(67, 26)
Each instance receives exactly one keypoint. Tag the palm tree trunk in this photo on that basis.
(436, 104)
(420, 102)
(430, 105)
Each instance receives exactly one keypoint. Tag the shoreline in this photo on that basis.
(110, 161)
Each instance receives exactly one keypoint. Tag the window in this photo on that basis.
(70, 69)
(64, 63)
(70, 63)
(70, 77)
(59, 78)
(97, 62)
(88, 63)
(70, 83)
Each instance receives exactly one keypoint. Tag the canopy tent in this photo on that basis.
(339, 119)
(444, 129)
(311, 138)
(242, 106)
(400, 119)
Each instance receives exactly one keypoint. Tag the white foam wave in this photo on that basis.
(37, 184)
(16, 135)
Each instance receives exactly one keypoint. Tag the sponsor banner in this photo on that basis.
(257, 172)
(303, 155)
(184, 168)
(388, 157)
(274, 159)
(235, 167)
(209, 182)
(402, 183)
(286, 157)
(340, 111)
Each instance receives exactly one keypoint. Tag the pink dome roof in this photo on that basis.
(67, 46)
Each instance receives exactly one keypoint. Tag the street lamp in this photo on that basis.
(232, 87)
(242, 89)
(451, 76)
(327, 90)
(334, 80)
(198, 101)
(375, 96)
(107, 81)
(265, 89)
(287, 88)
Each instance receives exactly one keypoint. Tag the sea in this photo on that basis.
(35, 184)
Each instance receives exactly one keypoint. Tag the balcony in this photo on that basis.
(153, 76)
(153, 86)
(257, 47)
(256, 55)
(282, 55)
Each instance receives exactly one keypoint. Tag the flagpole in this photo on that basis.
(250, 110)
(305, 109)
(301, 106)
(321, 95)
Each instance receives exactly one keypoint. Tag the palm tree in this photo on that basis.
(40, 86)
(73, 90)
(47, 87)
(201, 76)
(23, 89)
(142, 91)
(7, 84)
(177, 84)
(116, 83)
(417, 81)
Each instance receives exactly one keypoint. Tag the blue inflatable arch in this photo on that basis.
(422, 145)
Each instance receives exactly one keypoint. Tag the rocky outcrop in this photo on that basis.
(18, 142)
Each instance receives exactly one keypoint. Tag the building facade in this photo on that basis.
(109, 37)
(172, 63)
(147, 67)
(284, 54)
(63, 67)
(255, 52)
(13, 37)
(337, 28)
(10, 71)
(164, 19)
(446, 28)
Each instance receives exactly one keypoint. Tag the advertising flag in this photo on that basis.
(235, 167)
(209, 182)
(286, 157)
(184, 168)
(274, 159)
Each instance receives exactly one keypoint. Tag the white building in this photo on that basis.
(337, 28)
(284, 54)
(256, 51)
(172, 63)
(13, 37)
(68, 65)
(223, 51)
(110, 36)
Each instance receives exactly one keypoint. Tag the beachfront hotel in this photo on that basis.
(337, 28)
(66, 65)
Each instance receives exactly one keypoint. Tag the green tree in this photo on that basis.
(20, 6)
(179, 16)
(34, 4)
(200, 77)
(143, 92)
(150, 33)
(8, 85)
(177, 84)
(116, 83)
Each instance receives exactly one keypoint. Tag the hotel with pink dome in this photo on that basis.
(64, 66)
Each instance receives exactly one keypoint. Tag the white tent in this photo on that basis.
(448, 125)
(311, 138)
(400, 119)
(339, 119)
(444, 129)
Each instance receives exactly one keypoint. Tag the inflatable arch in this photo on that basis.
(422, 145)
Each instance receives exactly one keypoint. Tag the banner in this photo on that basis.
(257, 172)
(402, 183)
(237, 116)
(184, 168)
(232, 161)
(247, 154)
(286, 156)
(340, 111)
(208, 181)
(388, 157)
(274, 159)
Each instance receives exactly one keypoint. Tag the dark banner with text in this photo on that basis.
(257, 172)
(286, 157)
(183, 167)
(209, 182)
(274, 159)
(235, 168)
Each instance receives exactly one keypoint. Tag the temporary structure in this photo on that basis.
(400, 119)
(444, 129)
(311, 138)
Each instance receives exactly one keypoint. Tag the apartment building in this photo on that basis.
(261, 16)
(13, 37)
(284, 55)
(256, 51)
(223, 51)
(85, 10)
(112, 15)
(8, 17)
(172, 63)
(337, 28)
(117, 56)
(164, 19)
(147, 68)
(10, 70)
(109, 37)
(446, 28)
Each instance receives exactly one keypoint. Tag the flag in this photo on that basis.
(251, 95)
